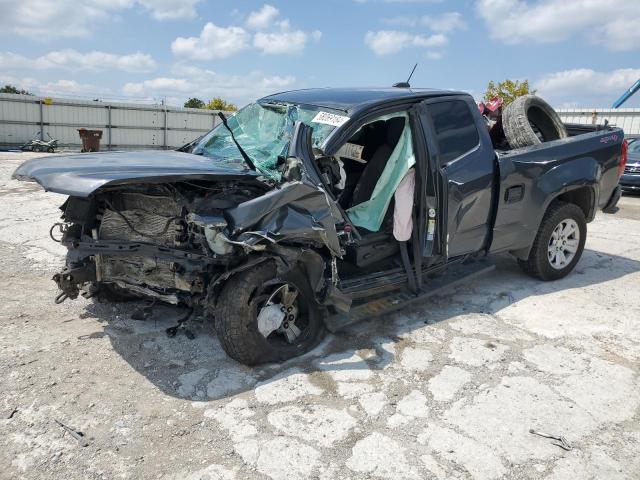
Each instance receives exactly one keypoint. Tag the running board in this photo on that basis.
(452, 276)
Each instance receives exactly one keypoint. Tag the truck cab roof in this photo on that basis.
(353, 100)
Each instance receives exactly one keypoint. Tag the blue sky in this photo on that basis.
(575, 52)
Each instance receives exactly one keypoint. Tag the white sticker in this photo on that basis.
(352, 151)
(330, 119)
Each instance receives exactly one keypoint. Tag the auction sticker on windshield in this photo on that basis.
(330, 119)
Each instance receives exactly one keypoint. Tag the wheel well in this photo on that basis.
(583, 197)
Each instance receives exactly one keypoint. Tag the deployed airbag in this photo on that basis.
(403, 209)
(370, 214)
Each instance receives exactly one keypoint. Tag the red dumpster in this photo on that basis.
(90, 139)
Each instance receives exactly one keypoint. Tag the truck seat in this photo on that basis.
(375, 166)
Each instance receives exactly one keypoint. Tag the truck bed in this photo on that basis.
(587, 161)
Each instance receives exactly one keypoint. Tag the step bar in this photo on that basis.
(372, 307)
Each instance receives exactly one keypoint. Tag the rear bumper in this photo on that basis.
(610, 207)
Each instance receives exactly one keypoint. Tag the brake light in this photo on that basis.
(623, 157)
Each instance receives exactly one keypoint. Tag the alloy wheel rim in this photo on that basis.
(563, 244)
(283, 306)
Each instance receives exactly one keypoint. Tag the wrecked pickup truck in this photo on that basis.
(315, 207)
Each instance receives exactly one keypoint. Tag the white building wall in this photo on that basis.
(123, 125)
(626, 118)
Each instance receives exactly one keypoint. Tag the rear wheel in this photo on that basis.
(260, 318)
(559, 243)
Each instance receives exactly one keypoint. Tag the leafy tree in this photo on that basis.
(508, 90)
(220, 104)
(12, 89)
(194, 103)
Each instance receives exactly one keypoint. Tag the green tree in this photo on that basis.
(220, 104)
(194, 103)
(12, 89)
(508, 90)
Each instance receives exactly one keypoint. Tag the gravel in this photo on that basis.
(448, 389)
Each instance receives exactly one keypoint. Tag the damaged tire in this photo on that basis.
(260, 319)
(529, 120)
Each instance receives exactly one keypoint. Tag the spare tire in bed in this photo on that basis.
(529, 120)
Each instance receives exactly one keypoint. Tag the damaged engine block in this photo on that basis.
(152, 241)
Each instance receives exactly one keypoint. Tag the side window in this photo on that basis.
(455, 129)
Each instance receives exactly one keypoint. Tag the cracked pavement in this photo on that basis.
(447, 389)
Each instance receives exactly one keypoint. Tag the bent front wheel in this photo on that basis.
(260, 318)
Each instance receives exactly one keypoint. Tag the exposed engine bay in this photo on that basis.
(173, 242)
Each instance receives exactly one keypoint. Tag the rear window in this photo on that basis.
(455, 129)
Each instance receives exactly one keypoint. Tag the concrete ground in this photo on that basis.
(449, 389)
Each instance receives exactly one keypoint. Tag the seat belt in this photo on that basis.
(417, 254)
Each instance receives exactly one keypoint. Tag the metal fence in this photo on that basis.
(626, 118)
(124, 125)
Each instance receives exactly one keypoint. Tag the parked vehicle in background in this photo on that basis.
(630, 180)
(318, 207)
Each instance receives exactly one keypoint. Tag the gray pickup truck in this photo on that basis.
(310, 209)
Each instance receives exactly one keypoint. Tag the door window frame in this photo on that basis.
(432, 129)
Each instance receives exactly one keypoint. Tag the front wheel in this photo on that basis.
(260, 318)
(559, 243)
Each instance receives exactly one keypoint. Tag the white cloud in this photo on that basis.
(70, 87)
(170, 9)
(70, 59)
(62, 88)
(398, 1)
(263, 18)
(190, 81)
(547, 21)
(445, 22)
(585, 87)
(284, 41)
(385, 42)
(274, 36)
(60, 18)
(45, 19)
(214, 42)
(441, 23)
(280, 42)
(159, 84)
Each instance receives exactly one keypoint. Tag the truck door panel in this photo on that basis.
(465, 156)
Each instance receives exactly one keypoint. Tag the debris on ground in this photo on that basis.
(78, 435)
(560, 441)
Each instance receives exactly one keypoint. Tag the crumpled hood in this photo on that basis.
(80, 175)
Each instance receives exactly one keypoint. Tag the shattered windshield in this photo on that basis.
(264, 130)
